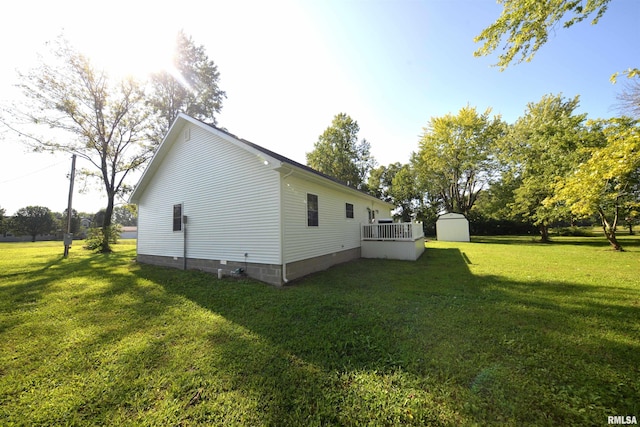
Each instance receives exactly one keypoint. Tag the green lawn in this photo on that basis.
(498, 331)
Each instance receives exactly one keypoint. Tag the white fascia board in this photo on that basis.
(288, 168)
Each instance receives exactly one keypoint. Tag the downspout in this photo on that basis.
(282, 225)
(184, 240)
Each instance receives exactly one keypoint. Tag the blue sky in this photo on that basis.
(289, 66)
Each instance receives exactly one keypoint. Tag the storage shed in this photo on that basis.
(452, 227)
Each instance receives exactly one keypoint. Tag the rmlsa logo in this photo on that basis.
(621, 419)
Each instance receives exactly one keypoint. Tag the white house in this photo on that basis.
(210, 200)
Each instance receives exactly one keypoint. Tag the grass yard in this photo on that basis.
(498, 331)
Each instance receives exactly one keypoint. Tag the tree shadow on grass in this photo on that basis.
(29, 286)
(372, 341)
(82, 334)
(102, 337)
(597, 241)
(505, 351)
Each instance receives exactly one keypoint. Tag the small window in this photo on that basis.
(349, 210)
(177, 217)
(312, 210)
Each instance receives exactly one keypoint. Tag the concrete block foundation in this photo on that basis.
(268, 273)
(298, 269)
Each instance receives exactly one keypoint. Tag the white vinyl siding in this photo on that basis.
(335, 232)
(229, 196)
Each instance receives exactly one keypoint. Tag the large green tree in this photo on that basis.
(126, 215)
(540, 148)
(63, 221)
(456, 160)
(191, 86)
(380, 180)
(32, 221)
(339, 154)
(524, 26)
(397, 184)
(102, 121)
(494, 203)
(608, 182)
(404, 192)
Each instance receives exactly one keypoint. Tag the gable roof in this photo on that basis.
(276, 160)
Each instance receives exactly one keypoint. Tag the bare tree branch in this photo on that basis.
(629, 99)
(102, 123)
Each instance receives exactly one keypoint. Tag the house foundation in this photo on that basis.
(268, 273)
(303, 267)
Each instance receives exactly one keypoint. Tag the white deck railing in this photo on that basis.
(397, 231)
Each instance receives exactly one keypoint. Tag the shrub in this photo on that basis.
(482, 226)
(95, 236)
(574, 231)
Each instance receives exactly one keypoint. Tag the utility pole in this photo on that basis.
(68, 237)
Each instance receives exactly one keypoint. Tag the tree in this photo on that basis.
(396, 184)
(491, 214)
(102, 122)
(608, 182)
(63, 221)
(32, 221)
(3, 222)
(526, 25)
(629, 99)
(98, 218)
(191, 87)
(380, 181)
(338, 153)
(494, 203)
(456, 161)
(404, 192)
(126, 215)
(540, 149)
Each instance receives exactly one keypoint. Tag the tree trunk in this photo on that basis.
(544, 233)
(610, 230)
(106, 225)
(611, 237)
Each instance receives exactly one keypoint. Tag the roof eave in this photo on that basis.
(314, 176)
(268, 157)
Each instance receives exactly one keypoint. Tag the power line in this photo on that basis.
(32, 173)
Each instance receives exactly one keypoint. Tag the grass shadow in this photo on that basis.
(597, 241)
(440, 324)
(432, 342)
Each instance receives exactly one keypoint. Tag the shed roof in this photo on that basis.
(452, 215)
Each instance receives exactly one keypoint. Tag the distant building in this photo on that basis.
(129, 232)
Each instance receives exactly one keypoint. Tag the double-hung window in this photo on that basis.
(312, 210)
(349, 210)
(177, 217)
